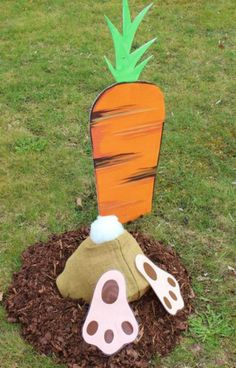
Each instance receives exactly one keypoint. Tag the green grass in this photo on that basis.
(207, 327)
(30, 144)
(51, 70)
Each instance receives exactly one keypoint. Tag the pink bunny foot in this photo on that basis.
(110, 323)
(164, 285)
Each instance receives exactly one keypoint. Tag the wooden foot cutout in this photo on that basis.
(110, 323)
(164, 285)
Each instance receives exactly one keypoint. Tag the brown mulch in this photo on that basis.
(53, 324)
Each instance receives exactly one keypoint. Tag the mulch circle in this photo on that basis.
(53, 325)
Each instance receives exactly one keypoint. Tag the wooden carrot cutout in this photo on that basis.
(126, 129)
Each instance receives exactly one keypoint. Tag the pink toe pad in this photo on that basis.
(110, 323)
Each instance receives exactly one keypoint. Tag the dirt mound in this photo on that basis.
(53, 325)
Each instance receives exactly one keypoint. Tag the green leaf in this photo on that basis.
(111, 67)
(137, 22)
(139, 68)
(126, 17)
(120, 51)
(137, 54)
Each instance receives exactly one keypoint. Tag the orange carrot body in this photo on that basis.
(126, 130)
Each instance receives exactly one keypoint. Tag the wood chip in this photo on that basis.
(79, 203)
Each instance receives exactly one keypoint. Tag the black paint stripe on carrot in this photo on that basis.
(146, 173)
(113, 160)
(99, 114)
(102, 113)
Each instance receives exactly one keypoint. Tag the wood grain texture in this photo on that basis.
(126, 124)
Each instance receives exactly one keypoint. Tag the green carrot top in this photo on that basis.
(127, 68)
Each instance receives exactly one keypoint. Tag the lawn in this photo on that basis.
(51, 70)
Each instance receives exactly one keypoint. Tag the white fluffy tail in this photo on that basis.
(105, 228)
